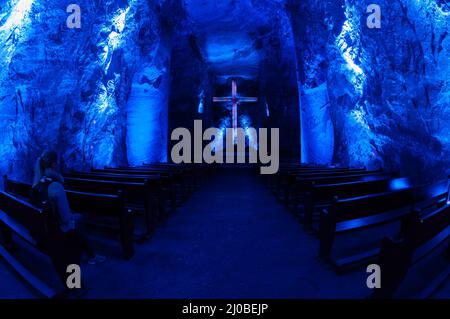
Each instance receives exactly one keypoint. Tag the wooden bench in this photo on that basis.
(289, 182)
(323, 195)
(167, 181)
(94, 205)
(191, 171)
(191, 174)
(422, 235)
(272, 180)
(172, 181)
(292, 177)
(175, 181)
(109, 206)
(16, 188)
(161, 196)
(31, 224)
(353, 214)
(301, 185)
(137, 196)
(284, 172)
(283, 180)
(432, 197)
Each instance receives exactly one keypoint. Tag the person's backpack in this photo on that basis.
(39, 198)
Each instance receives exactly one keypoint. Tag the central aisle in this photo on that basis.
(231, 239)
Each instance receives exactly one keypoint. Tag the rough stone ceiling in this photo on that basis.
(225, 33)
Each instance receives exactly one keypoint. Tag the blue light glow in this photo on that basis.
(316, 127)
(18, 16)
(115, 37)
(348, 43)
(201, 103)
(267, 109)
(359, 115)
(147, 118)
(14, 29)
(448, 193)
(246, 124)
(218, 143)
(399, 184)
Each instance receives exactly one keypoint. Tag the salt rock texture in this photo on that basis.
(110, 92)
(70, 89)
(388, 87)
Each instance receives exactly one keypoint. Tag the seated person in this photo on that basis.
(48, 185)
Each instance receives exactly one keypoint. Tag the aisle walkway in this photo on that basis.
(232, 239)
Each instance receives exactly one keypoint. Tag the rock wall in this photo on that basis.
(99, 94)
(278, 78)
(388, 87)
(69, 89)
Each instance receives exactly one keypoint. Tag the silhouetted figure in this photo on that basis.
(66, 230)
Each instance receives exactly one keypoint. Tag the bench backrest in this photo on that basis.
(131, 191)
(421, 229)
(307, 183)
(113, 177)
(17, 188)
(174, 169)
(297, 166)
(352, 189)
(422, 235)
(303, 169)
(326, 171)
(32, 218)
(363, 206)
(336, 174)
(163, 173)
(96, 204)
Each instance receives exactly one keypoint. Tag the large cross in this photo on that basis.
(235, 100)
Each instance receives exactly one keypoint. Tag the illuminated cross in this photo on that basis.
(235, 100)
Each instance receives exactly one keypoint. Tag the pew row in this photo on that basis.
(322, 196)
(177, 183)
(422, 236)
(30, 224)
(348, 215)
(94, 206)
(139, 196)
